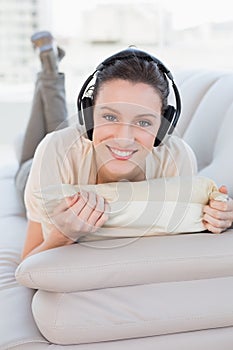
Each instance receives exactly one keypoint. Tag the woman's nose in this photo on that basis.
(125, 133)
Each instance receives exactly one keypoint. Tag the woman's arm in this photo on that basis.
(35, 242)
(34, 238)
(75, 216)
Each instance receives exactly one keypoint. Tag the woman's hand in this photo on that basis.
(80, 214)
(218, 216)
(73, 217)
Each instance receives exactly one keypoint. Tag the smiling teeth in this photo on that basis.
(121, 153)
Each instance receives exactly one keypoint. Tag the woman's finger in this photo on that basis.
(78, 206)
(66, 203)
(217, 214)
(97, 211)
(218, 223)
(223, 189)
(219, 205)
(89, 207)
(212, 228)
(104, 217)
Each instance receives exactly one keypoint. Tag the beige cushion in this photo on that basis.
(129, 261)
(16, 321)
(135, 311)
(207, 124)
(154, 207)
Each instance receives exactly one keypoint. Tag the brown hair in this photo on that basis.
(137, 70)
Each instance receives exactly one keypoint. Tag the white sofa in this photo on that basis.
(163, 292)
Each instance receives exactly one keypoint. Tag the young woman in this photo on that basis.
(129, 99)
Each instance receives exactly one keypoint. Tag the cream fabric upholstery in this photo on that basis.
(123, 262)
(175, 288)
(206, 123)
(133, 312)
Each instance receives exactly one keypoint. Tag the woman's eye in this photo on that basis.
(110, 118)
(144, 123)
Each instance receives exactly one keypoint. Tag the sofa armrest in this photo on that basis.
(129, 261)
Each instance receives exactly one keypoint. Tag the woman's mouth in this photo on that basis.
(121, 154)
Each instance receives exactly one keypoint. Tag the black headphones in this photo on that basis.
(171, 114)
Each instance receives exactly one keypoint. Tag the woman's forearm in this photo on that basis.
(54, 240)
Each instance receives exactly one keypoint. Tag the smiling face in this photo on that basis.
(127, 117)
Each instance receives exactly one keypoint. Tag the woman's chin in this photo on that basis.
(117, 170)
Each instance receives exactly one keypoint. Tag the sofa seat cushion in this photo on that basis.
(133, 311)
(128, 261)
(209, 339)
(16, 323)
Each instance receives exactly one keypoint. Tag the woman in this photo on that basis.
(129, 98)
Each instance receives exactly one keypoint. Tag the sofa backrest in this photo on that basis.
(206, 121)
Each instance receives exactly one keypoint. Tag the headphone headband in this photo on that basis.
(171, 115)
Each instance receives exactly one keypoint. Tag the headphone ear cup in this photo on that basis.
(87, 108)
(166, 124)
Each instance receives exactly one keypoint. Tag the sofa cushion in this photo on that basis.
(210, 119)
(133, 312)
(199, 82)
(127, 261)
(16, 323)
(219, 165)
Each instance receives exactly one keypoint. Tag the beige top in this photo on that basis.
(66, 157)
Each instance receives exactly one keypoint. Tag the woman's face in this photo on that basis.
(127, 117)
